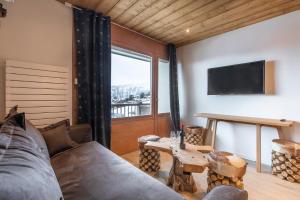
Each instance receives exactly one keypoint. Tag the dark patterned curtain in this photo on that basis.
(93, 61)
(174, 101)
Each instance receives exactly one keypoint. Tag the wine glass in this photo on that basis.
(178, 134)
(173, 138)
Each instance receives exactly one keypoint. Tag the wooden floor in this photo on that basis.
(260, 186)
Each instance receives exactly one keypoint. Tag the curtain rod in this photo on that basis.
(71, 6)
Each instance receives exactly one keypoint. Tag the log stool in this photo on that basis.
(195, 135)
(149, 159)
(286, 160)
(225, 169)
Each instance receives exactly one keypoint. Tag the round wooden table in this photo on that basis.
(185, 162)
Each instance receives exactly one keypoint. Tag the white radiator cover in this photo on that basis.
(41, 91)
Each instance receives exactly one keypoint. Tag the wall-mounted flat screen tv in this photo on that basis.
(246, 78)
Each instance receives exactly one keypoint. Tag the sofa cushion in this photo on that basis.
(39, 141)
(17, 119)
(57, 137)
(32, 132)
(81, 133)
(24, 173)
(224, 192)
(90, 172)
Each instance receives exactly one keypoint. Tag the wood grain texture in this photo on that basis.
(250, 14)
(191, 159)
(168, 20)
(127, 39)
(120, 7)
(246, 120)
(164, 125)
(260, 186)
(212, 120)
(126, 131)
(133, 11)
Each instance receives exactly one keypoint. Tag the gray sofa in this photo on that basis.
(87, 171)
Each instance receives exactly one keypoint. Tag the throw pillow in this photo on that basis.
(57, 137)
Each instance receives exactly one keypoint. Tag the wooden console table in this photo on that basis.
(213, 119)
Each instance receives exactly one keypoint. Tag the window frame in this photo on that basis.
(139, 55)
(166, 61)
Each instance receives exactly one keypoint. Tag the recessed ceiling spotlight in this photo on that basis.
(187, 30)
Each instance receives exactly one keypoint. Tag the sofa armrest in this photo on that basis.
(81, 133)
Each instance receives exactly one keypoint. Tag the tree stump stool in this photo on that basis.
(195, 135)
(286, 160)
(179, 180)
(225, 169)
(149, 159)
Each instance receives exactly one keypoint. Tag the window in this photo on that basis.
(163, 87)
(131, 84)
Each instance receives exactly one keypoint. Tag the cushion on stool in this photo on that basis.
(225, 192)
(147, 138)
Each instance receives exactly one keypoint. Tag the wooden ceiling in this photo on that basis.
(185, 21)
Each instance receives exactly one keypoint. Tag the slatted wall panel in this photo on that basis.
(41, 91)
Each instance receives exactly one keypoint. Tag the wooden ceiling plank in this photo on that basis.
(181, 13)
(249, 20)
(179, 4)
(226, 17)
(260, 10)
(105, 6)
(121, 7)
(276, 14)
(152, 10)
(133, 11)
(210, 10)
(167, 20)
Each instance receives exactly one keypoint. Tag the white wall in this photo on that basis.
(38, 31)
(276, 40)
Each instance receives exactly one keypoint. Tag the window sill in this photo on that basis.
(130, 119)
(164, 114)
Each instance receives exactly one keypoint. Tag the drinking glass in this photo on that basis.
(178, 137)
(173, 138)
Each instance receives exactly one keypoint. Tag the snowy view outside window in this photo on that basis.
(131, 84)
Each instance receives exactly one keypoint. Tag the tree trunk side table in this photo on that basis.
(225, 169)
(286, 160)
(184, 163)
(149, 159)
(195, 135)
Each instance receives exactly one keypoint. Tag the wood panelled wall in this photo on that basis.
(125, 132)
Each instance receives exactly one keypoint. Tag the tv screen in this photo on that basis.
(246, 78)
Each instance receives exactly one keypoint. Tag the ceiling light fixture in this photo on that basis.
(187, 30)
